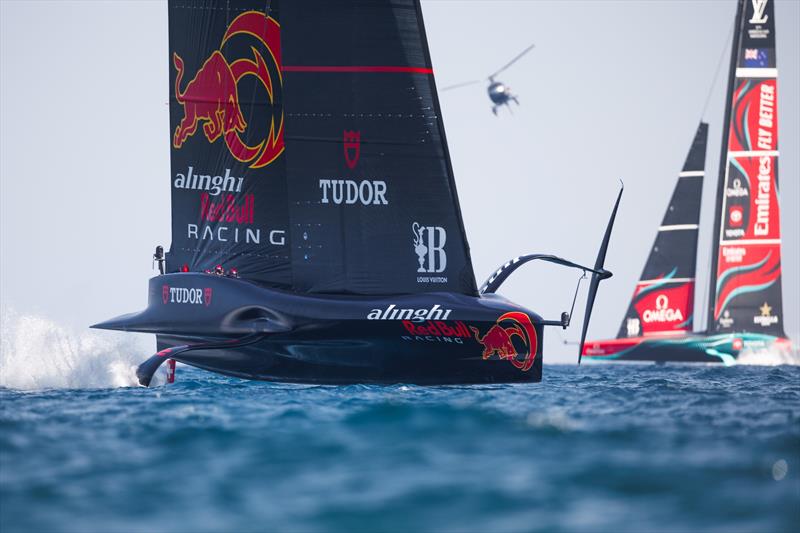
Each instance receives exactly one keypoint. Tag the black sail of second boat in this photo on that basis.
(308, 150)
(663, 301)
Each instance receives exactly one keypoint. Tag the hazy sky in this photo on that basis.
(612, 90)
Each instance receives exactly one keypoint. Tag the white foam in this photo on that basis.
(37, 353)
(772, 357)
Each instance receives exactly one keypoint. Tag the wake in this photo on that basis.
(37, 353)
(774, 357)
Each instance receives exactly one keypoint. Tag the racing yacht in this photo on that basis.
(745, 302)
(316, 229)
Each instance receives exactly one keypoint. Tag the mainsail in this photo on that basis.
(746, 253)
(308, 149)
(229, 184)
(663, 300)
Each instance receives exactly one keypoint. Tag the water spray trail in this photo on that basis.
(38, 353)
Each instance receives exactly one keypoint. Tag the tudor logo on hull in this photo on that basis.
(185, 295)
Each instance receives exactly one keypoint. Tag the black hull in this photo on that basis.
(271, 360)
(435, 338)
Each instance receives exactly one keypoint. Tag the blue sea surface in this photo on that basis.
(591, 448)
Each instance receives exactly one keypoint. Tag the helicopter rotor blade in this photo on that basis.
(528, 49)
(458, 85)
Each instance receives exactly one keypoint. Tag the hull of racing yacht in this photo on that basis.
(698, 348)
(433, 338)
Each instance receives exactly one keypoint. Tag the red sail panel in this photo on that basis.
(746, 291)
(666, 310)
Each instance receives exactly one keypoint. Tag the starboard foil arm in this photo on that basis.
(495, 280)
(599, 273)
(146, 370)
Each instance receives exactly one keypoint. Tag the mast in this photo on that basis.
(723, 166)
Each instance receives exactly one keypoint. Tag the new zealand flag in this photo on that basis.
(755, 57)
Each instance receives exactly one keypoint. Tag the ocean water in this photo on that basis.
(591, 448)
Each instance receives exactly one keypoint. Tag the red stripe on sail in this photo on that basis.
(308, 68)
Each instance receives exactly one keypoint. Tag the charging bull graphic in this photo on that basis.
(211, 97)
(499, 339)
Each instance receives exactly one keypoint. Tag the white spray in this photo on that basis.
(37, 353)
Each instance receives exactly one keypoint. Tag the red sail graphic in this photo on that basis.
(746, 286)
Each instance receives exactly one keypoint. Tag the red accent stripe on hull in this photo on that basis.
(303, 68)
(609, 347)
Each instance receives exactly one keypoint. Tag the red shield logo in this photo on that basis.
(207, 292)
(499, 340)
(352, 148)
(165, 294)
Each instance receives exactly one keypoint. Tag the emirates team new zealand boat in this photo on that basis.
(316, 231)
(745, 311)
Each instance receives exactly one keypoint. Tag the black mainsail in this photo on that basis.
(663, 300)
(229, 183)
(308, 148)
(746, 251)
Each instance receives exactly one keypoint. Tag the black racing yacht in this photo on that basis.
(316, 229)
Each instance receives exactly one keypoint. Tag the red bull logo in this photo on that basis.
(499, 340)
(211, 98)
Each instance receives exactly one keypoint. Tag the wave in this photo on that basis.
(38, 353)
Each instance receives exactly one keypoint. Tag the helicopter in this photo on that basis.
(499, 93)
